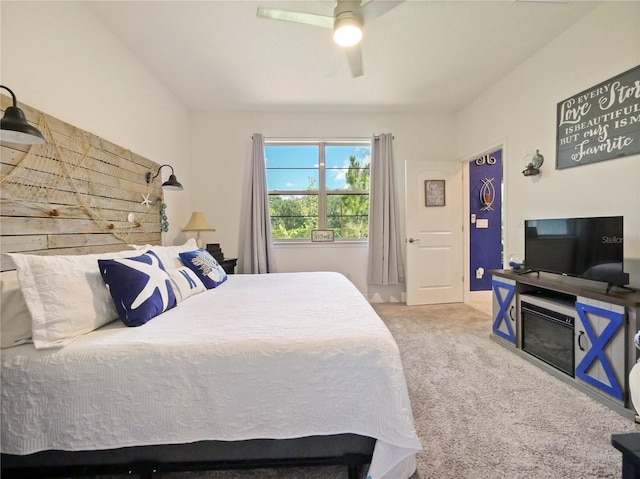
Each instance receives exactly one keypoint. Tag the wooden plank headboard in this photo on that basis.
(76, 194)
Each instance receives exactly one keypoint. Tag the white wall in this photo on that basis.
(522, 109)
(58, 58)
(221, 147)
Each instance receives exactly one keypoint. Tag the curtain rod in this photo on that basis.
(275, 138)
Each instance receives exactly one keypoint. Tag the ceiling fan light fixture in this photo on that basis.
(347, 30)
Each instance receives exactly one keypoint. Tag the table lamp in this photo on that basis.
(198, 223)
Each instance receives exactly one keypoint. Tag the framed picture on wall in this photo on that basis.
(434, 193)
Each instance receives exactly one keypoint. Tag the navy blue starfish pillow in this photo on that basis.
(140, 287)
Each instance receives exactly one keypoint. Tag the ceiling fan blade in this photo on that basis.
(354, 58)
(296, 17)
(372, 9)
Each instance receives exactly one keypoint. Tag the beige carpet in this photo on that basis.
(482, 411)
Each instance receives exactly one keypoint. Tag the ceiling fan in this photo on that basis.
(348, 20)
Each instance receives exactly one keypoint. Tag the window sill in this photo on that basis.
(320, 244)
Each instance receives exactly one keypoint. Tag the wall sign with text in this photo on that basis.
(434, 193)
(600, 123)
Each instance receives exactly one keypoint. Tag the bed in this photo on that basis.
(262, 370)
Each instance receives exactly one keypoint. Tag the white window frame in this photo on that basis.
(322, 192)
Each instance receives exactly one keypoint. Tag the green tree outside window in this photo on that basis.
(340, 203)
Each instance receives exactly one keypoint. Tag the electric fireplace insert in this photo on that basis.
(548, 335)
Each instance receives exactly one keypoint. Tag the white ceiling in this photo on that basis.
(422, 55)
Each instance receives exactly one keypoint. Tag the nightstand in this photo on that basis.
(229, 265)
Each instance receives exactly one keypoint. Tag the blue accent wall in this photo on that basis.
(485, 177)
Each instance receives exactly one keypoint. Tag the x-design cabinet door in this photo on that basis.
(504, 309)
(600, 347)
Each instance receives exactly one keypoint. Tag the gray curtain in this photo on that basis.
(256, 248)
(385, 255)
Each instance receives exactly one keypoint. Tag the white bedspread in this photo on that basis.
(262, 356)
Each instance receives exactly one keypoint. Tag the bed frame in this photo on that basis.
(149, 462)
(56, 227)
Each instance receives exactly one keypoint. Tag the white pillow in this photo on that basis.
(15, 320)
(169, 254)
(66, 295)
(185, 283)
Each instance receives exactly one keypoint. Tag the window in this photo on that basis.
(318, 185)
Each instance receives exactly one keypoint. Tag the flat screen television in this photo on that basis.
(590, 248)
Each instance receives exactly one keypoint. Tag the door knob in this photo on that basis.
(411, 240)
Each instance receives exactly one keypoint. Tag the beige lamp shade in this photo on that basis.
(198, 223)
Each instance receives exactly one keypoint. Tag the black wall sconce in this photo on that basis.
(14, 127)
(533, 165)
(171, 184)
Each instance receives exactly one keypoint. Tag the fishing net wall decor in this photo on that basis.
(98, 187)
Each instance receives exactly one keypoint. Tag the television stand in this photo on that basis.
(528, 271)
(621, 286)
(600, 325)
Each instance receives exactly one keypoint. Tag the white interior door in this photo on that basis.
(434, 233)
